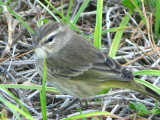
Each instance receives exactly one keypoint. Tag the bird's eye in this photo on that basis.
(50, 39)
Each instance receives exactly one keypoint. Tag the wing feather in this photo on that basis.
(85, 62)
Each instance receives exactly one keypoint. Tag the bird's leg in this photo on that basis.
(85, 105)
(63, 109)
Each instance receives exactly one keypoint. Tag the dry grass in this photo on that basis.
(137, 50)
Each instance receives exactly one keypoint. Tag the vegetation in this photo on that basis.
(128, 31)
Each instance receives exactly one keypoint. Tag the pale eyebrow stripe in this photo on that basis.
(52, 33)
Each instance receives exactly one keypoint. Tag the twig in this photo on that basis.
(10, 30)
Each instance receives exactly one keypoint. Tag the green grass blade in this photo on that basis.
(14, 108)
(1, 3)
(33, 87)
(89, 115)
(39, 22)
(157, 19)
(17, 100)
(148, 72)
(59, 13)
(69, 9)
(118, 36)
(151, 86)
(62, 11)
(111, 30)
(137, 7)
(98, 28)
(83, 6)
(56, 18)
(43, 92)
(21, 20)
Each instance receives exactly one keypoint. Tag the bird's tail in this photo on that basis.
(133, 85)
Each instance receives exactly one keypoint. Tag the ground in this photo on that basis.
(136, 52)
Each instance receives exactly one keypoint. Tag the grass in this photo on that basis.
(85, 115)
(157, 20)
(98, 32)
(43, 92)
(83, 6)
(18, 18)
(98, 27)
(16, 110)
(118, 36)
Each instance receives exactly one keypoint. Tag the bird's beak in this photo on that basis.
(33, 46)
(30, 49)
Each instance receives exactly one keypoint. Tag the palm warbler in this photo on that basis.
(76, 67)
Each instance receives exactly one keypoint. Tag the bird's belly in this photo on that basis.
(76, 88)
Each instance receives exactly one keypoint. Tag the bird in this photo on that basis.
(76, 67)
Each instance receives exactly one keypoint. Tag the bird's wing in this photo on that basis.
(81, 60)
